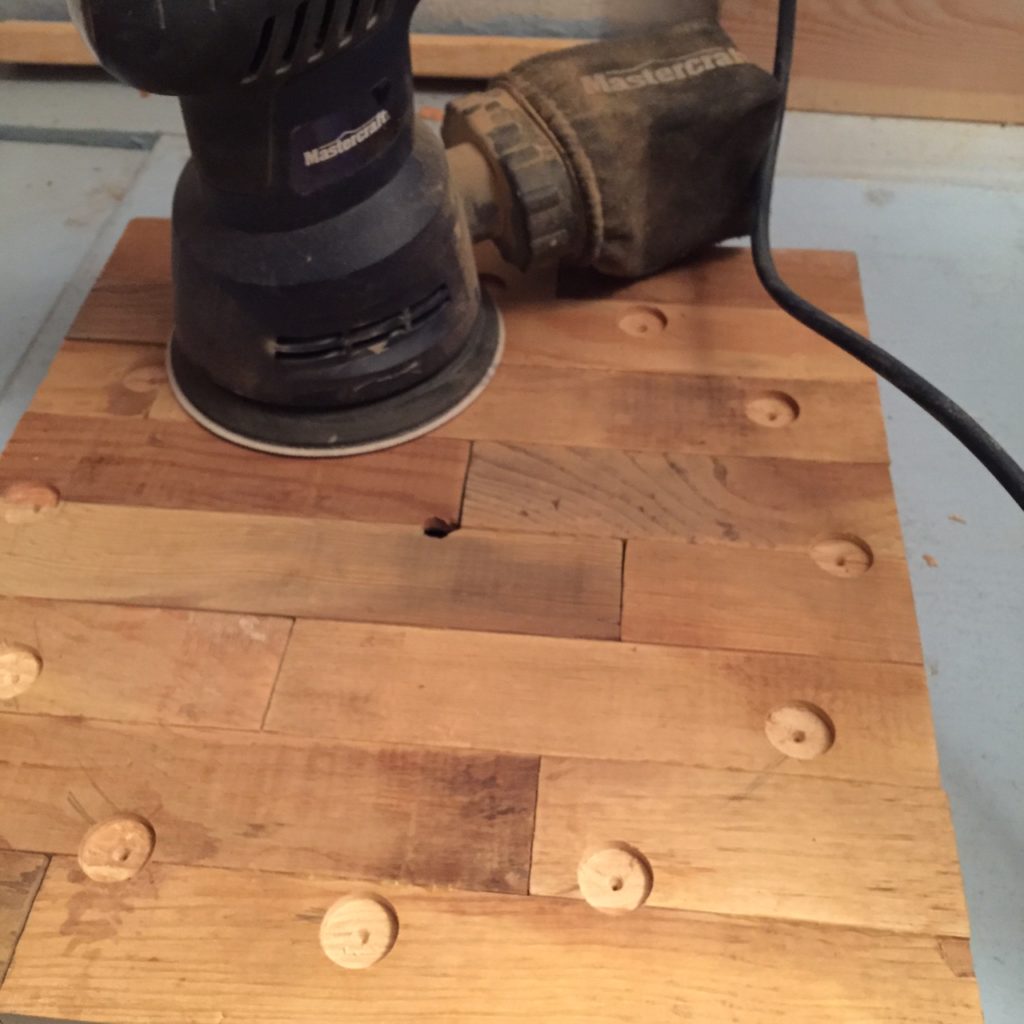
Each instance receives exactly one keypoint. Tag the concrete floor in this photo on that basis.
(936, 214)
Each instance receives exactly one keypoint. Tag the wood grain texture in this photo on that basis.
(538, 405)
(132, 298)
(762, 844)
(770, 503)
(471, 958)
(243, 800)
(179, 465)
(146, 665)
(954, 59)
(275, 667)
(701, 339)
(20, 877)
(761, 600)
(277, 565)
(121, 381)
(838, 422)
(591, 699)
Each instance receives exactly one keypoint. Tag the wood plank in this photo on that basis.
(760, 600)
(837, 422)
(245, 800)
(888, 59)
(134, 461)
(773, 503)
(704, 340)
(574, 698)
(725, 277)
(146, 665)
(103, 379)
(764, 844)
(463, 959)
(43, 42)
(278, 565)
(20, 877)
(915, 58)
(132, 298)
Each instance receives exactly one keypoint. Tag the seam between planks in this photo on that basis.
(277, 676)
(6, 968)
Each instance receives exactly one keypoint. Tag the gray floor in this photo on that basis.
(936, 215)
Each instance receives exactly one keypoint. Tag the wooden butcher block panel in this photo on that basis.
(603, 704)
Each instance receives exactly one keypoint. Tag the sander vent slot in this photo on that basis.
(323, 32)
(259, 58)
(380, 335)
(353, 15)
(298, 23)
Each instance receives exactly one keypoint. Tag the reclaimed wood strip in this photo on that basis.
(145, 665)
(119, 956)
(179, 465)
(132, 300)
(772, 503)
(121, 381)
(281, 565)
(700, 339)
(532, 695)
(821, 421)
(246, 800)
(753, 599)
(20, 877)
(762, 844)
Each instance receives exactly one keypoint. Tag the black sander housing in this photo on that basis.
(326, 296)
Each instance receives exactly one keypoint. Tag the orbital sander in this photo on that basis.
(326, 299)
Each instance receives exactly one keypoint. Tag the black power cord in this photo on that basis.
(968, 431)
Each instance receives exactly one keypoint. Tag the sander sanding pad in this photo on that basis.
(358, 430)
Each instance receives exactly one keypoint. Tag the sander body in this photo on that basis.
(326, 296)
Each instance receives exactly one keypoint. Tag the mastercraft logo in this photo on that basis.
(347, 141)
(663, 72)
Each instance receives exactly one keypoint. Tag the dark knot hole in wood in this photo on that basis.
(438, 528)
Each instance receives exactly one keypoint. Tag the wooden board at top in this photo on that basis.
(892, 58)
(598, 700)
(469, 958)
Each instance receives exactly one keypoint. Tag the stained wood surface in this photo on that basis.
(717, 843)
(625, 702)
(953, 60)
(470, 957)
(670, 627)
(20, 875)
(766, 600)
(705, 499)
(122, 460)
(238, 800)
(276, 565)
(146, 665)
